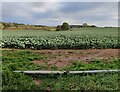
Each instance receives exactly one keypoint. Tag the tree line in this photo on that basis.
(66, 26)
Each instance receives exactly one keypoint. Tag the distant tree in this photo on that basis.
(6, 25)
(58, 28)
(65, 26)
(15, 24)
(85, 25)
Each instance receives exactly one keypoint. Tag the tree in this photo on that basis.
(65, 26)
(93, 26)
(85, 25)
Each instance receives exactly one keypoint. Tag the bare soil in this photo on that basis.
(37, 81)
(62, 58)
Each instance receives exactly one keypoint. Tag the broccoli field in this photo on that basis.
(83, 38)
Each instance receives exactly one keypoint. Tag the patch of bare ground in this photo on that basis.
(37, 81)
(62, 64)
(62, 58)
(39, 62)
(48, 89)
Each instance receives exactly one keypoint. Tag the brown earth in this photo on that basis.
(37, 81)
(62, 58)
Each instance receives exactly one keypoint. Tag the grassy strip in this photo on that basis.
(20, 81)
(21, 60)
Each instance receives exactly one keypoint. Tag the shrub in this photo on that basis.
(58, 28)
(93, 26)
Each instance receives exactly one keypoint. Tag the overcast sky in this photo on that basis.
(54, 13)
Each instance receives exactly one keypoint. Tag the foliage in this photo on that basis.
(58, 28)
(65, 26)
(18, 26)
(60, 40)
(93, 26)
(76, 39)
(85, 25)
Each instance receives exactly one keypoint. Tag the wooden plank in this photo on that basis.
(67, 72)
(93, 71)
(41, 72)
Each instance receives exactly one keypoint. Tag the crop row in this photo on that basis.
(60, 42)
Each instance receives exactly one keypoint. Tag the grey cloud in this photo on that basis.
(78, 6)
(53, 14)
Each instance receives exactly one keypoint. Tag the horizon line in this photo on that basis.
(55, 25)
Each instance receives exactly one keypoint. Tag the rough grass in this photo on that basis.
(21, 60)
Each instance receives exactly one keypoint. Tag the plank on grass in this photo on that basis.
(68, 72)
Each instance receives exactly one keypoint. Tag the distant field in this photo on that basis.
(75, 31)
(79, 38)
